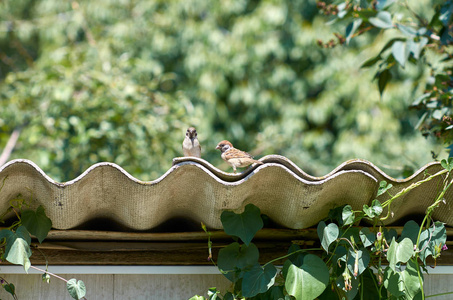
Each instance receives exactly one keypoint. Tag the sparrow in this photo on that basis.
(235, 157)
(191, 145)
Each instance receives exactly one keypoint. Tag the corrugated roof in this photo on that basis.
(195, 190)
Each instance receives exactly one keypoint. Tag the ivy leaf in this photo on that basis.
(10, 288)
(17, 250)
(391, 234)
(308, 281)
(213, 294)
(367, 237)
(375, 210)
(393, 282)
(411, 280)
(76, 288)
(447, 164)
(348, 215)
(431, 237)
(229, 296)
(399, 252)
(382, 20)
(258, 280)
(363, 260)
(244, 225)
(196, 297)
(234, 257)
(350, 294)
(383, 187)
(37, 223)
(327, 234)
(410, 230)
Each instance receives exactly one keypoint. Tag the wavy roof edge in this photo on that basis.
(196, 190)
(353, 164)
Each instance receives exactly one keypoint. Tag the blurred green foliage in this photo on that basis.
(121, 81)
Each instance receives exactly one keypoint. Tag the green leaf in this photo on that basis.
(327, 234)
(17, 250)
(383, 187)
(382, 20)
(375, 210)
(399, 252)
(213, 294)
(351, 29)
(393, 282)
(400, 53)
(309, 281)
(447, 164)
(228, 296)
(371, 62)
(196, 297)
(363, 260)
(10, 288)
(367, 237)
(348, 215)
(258, 280)
(244, 225)
(411, 280)
(368, 285)
(383, 78)
(430, 238)
(390, 234)
(76, 288)
(234, 257)
(410, 230)
(350, 294)
(37, 223)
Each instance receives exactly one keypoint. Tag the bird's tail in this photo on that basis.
(257, 162)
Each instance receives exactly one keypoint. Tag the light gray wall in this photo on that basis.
(162, 287)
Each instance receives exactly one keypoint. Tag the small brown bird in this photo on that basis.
(191, 145)
(234, 157)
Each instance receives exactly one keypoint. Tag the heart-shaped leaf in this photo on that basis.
(430, 238)
(234, 257)
(244, 225)
(327, 234)
(383, 185)
(258, 280)
(411, 280)
(76, 288)
(17, 250)
(362, 260)
(308, 281)
(37, 223)
(399, 252)
(367, 237)
(410, 230)
(393, 282)
(347, 215)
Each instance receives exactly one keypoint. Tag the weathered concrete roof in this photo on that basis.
(195, 190)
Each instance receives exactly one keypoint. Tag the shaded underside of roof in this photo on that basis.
(195, 191)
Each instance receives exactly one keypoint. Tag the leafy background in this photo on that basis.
(121, 81)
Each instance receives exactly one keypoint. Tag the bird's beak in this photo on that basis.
(218, 147)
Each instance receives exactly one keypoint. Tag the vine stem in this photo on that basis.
(51, 274)
(408, 189)
(289, 254)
